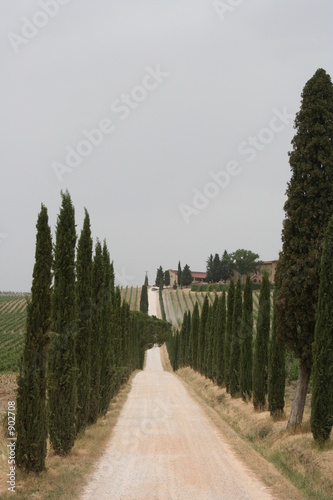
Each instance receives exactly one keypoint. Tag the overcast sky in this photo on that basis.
(194, 101)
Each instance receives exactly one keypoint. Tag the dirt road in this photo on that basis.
(165, 447)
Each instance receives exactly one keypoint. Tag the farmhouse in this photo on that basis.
(198, 277)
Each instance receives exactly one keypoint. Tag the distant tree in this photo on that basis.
(179, 275)
(213, 268)
(308, 208)
(246, 343)
(159, 276)
(186, 276)
(210, 268)
(235, 342)
(62, 388)
(226, 266)
(276, 370)
(322, 385)
(245, 261)
(228, 334)
(220, 338)
(167, 278)
(146, 280)
(144, 297)
(260, 360)
(31, 416)
(84, 316)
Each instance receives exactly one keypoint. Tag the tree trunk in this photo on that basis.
(296, 415)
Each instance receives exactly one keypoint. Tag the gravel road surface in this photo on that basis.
(165, 447)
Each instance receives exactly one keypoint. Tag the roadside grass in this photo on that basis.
(296, 456)
(66, 477)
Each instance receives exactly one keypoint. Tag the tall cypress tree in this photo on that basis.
(322, 388)
(246, 343)
(106, 356)
(208, 343)
(62, 389)
(220, 339)
(84, 314)
(215, 340)
(276, 370)
(31, 414)
(308, 208)
(144, 297)
(195, 324)
(228, 334)
(201, 336)
(235, 342)
(260, 361)
(179, 275)
(97, 302)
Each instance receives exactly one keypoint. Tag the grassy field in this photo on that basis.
(12, 328)
(132, 296)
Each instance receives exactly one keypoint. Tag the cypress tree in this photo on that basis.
(84, 312)
(276, 370)
(106, 345)
(31, 416)
(220, 339)
(215, 340)
(97, 302)
(260, 361)
(235, 342)
(144, 298)
(179, 275)
(188, 345)
(194, 336)
(322, 385)
(308, 209)
(208, 343)
(201, 336)
(246, 344)
(62, 389)
(228, 334)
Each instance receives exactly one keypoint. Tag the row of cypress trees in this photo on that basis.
(220, 344)
(81, 343)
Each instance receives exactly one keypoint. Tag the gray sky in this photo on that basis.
(194, 101)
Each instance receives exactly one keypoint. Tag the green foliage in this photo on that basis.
(228, 334)
(31, 414)
(194, 335)
(260, 360)
(307, 211)
(244, 261)
(235, 342)
(220, 338)
(186, 276)
(159, 277)
(179, 275)
(202, 335)
(246, 342)
(84, 312)
(276, 371)
(167, 278)
(144, 299)
(62, 390)
(13, 319)
(322, 381)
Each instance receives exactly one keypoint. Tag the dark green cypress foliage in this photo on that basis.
(188, 347)
(260, 360)
(84, 312)
(144, 297)
(208, 343)
(182, 342)
(62, 389)
(194, 336)
(308, 209)
(276, 371)
(97, 302)
(201, 336)
(235, 342)
(322, 386)
(228, 334)
(31, 416)
(106, 344)
(220, 338)
(246, 354)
